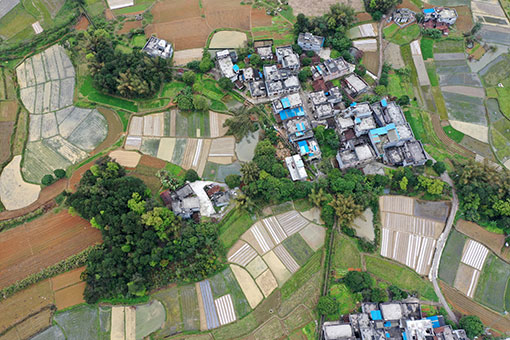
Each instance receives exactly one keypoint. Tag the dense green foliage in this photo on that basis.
(144, 245)
(484, 194)
(472, 325)
(134, 75)
(327, 305)
(378, 7)
(332, 25)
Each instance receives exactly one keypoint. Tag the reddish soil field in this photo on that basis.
(115, 130)
(227, 13)
(45, 199)
(152, 162)
(108, 13)
(260, 18)
(83, 24)
(31, 247)
(128, 26)
(26, 302)
(70, 296)
(6, 130)
(465, 305)
(175, 10)
(190, 33)
(363, 16)
(67, 279)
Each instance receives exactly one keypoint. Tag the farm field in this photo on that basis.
(322, 6)
(188, 24)
(43, 242)
(8, 115)
(228, 39)
(277, 29)
(15, 193)
(59, 134)
(492, 285)
(176, 137)
(493, 241)
(407, 238)
(401, 36)
(450, 258)
(499, 138)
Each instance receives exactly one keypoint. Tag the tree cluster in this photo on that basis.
(379, 7)
(134, 75)
(411, 181)
(328, 141)
(484, 194)
(332, 26)
(187, 101)
(144, 244)
(364, 284)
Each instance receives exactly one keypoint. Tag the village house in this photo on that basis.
(287, 58)
(331, 69)
(158, 48)
(309, 42)
(280, 81)
(354, 85)
(296, 168)
(183, 202)
(226, 66)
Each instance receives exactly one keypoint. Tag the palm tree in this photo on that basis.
(240, 124)
(317, 197)
(250, 172)
(244, 202)
(345, 209)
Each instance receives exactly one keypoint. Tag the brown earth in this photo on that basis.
(220, 14)
(33, 246)
(175, 10)
(464, 21)
(8, 111)
(260, 18)
(371, 61)
(34, 324)
(24, 303)
(186, 34)
(46, 199)
(115, 130)
(82, 24)
(67, 279)
(363, 16)
(493, 241)
(152, 162)
(70, 296)
(409, 4)
(108, 13)
(467, 306)
(75, 178)
(6, 130)
(128, 26)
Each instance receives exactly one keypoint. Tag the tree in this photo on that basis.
(296, 48)
(439, 167)
(200, 103)
(403, 183)
(358, 281)
(360, 70)
(225, 83)
(472, 325)
(241, 124)
(304, 74)
(47, 179)
(378, 295)
(194, 65)
(306, 61)
(164, 221)
(397, 293)
(59, 173)
(382, 6)
(191, 176)
(317, 197)
(328, 141)
(244, 202)
(255, 60)
(206, 64)
(188, 77)
(168, 180)
(346, 209)
(380, 90)
(184, 101)
(403, 100)
(432, 33)
(250, 172)
(233, 181)
(327, 305)
(431, 185)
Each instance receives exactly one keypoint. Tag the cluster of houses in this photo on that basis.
(440, 18)
(391, 320)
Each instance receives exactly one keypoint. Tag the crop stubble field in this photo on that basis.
(43, 242)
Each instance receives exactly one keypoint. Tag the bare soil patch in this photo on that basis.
(70, 296)
(34, 324)
(493, 241)
(108, 13)
(26, 302)
(82, 24)
(186, 34)
(260, 18)
(393, 56)
(8, 110)
(67, 279)
(43, 242)
(152, 162)
(371, 61)
(363, 16)
(321, 7)
(129, 25)
(76, 176)
(115, 129)
(175, 10)
(185, 56)
(128, 159)
(464, 21)
(237, 17)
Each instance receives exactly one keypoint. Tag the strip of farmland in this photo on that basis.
(209, 308)
(29, 248)
(474, 254)
(291, 222)
(225, 309)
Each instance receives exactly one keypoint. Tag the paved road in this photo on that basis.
(440, 246)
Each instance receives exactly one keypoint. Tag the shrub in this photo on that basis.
(59, 173)
(358, 281)
(233, 181)
(226, 84)
(191, 176)
(439, 167)
(327, 305)
(188, 77)
(378, 295)
(404, 100)
(472, 325)
(47, 179)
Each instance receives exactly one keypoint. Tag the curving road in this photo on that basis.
(440, 246)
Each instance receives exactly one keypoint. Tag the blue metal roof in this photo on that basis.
(285, 102)
(236, 68)
(303, 147)
(404, 335)
(429, 10)
(291, 113)
(382, 130)
(384, 103)
(435, 321)
(353, 104)
(387, 324)
(376, 315)
(387, 334)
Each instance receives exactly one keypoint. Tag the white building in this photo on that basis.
(296, 168)
(116, 4)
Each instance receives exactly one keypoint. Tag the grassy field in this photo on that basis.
(345, 255)
(17, 23)
(233, 226)
(94, 7)
(138, 41)
(279, 31)
(450, 259)
(225, 283)
(400, 276)
(302, 275)
(390, 31)
(427, 48)
(346, 299)
(498, 72)
(402, 36)
(504, 100)
(302, 204)
(298, 248)
(492, 284)
(453, 134)
(171, 90)
(169, 297)
(87, 90)
(431, 72)
(397, 87)
(449, 46)
(500, 144)
(140, 5)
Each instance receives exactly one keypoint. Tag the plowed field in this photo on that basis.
(41, 243)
